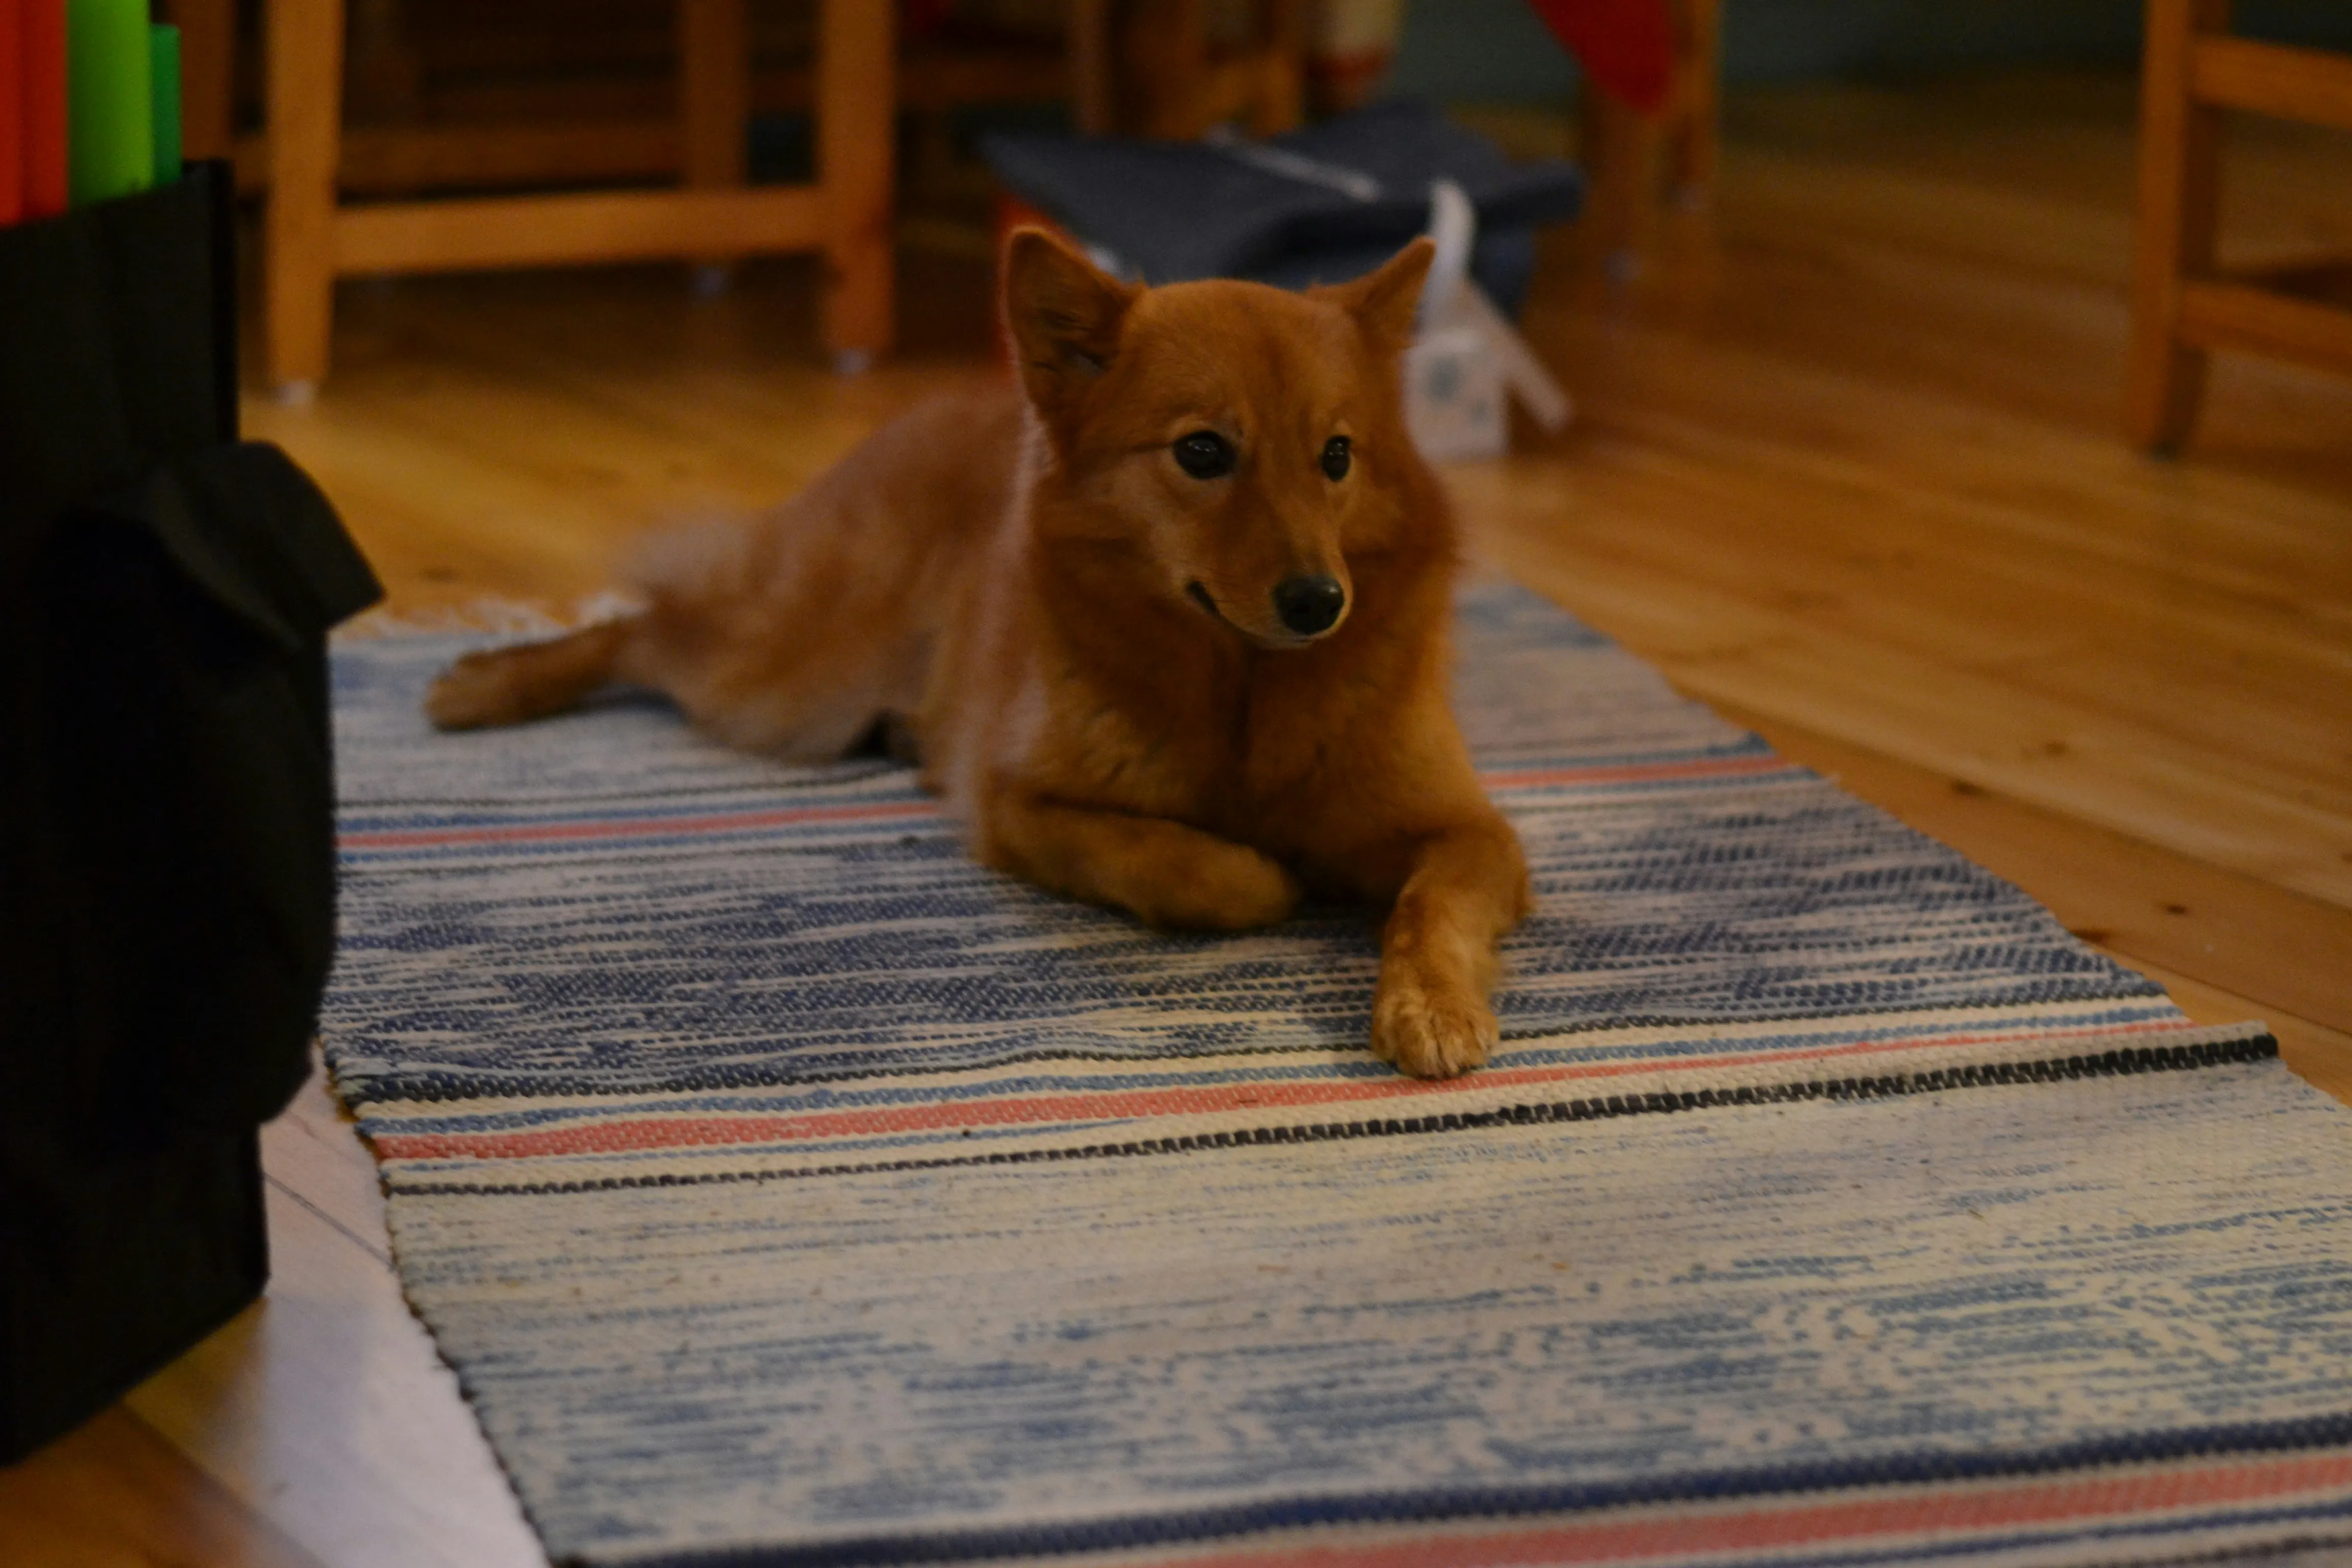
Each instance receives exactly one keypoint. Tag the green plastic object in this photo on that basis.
(110, 113)
(164, 93)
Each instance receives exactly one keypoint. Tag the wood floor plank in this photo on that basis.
(112, 1494)
(2267, 705)
(1673, 404)
(1719, 647)
(314, 1152)
(325, 1411)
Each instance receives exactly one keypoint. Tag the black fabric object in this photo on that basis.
(1177, 210)
(166, 798)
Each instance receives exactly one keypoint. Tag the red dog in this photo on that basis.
(1170, 631)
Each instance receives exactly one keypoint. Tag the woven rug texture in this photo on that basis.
(787, 1190)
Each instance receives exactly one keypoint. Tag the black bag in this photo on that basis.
(1324, 204)
(167, 851)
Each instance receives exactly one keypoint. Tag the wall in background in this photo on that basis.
(1495, 50)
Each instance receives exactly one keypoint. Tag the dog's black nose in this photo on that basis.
(1309, 604)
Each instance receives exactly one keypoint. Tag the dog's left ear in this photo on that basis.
(1386, 301)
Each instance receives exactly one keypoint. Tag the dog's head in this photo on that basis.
(1244, 440)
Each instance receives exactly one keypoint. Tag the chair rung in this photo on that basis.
(620, 225)
(2309, 85)
(396, 159)
(2221, 315)
(2321, 277)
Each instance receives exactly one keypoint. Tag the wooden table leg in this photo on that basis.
(2179, 217)
(1618, 146)
(856, 113)
(714, 106)
(302, 92)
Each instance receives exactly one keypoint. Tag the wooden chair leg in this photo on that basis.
(1280, 102)
(1093, 71)
(857, 109)
(302, 95)
(2180, 213)
(714, 100)
(208, 74)
(1698, 77)
(1620, 153)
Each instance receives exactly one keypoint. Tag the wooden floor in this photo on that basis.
(1847, 467)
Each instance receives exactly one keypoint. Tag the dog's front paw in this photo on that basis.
(1431, 1030)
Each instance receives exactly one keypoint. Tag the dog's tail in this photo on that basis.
(509, 685)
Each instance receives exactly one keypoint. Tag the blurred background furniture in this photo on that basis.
(1157, 68)
(1647, 112)
(403, 135)
(207, 73)
(303, 163)
(2184, 303)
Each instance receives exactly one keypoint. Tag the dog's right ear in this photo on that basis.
(1386, 301)
(1064, 313)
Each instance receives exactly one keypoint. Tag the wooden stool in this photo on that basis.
(2184, 304)
(310, 237)
(1621, 147)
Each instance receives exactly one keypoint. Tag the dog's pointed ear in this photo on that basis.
(1387, 300)
(1064, 313)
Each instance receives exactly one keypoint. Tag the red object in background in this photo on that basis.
(41, 83)
(11, 112)
(1627, 46)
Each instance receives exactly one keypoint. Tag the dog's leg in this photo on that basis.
(1467, 885)
(1164, 873)
(509, 685)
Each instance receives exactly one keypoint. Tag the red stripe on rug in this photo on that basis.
(1123, 1105)
(1975, 1508)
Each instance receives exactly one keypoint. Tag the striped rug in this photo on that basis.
(787, 1190)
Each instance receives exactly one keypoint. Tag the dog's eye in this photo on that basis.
(1204, 455)
(1334, 458)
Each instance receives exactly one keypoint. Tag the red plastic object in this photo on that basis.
(41, 78)
(12, 111)
(1626, 46)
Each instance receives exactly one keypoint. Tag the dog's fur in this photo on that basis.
(1082, 638)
